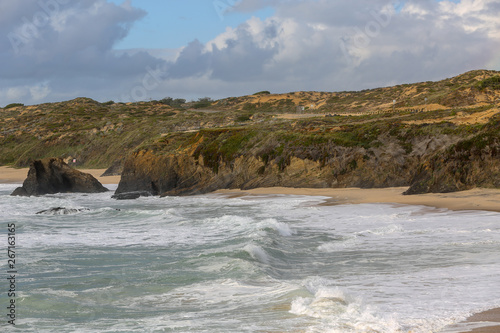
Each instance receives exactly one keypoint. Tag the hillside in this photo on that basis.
(461, 91)
(436, 133)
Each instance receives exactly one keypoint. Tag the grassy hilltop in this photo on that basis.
(460, 112)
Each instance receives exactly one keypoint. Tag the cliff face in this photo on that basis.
(470, 163)
(204, 163)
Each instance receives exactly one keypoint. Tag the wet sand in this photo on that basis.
(476, 199)
(10, 175)
(489, 320)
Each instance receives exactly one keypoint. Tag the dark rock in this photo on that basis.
(62, 211)
(115, 169)
(52, 175)
(20, 192)
(131, 195)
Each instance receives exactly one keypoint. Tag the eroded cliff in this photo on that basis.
(438, 157)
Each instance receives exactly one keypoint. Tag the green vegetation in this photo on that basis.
(175, 103)
(98, 134)
(492, 83)
(13, 105)
(265, 92)
(222, 146)
(203, 102)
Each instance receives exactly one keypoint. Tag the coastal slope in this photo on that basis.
(431, 136)
(436, 158)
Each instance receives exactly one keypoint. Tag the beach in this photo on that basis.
(491, 316)
(476, 199)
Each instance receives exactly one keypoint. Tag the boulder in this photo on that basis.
(52, 175)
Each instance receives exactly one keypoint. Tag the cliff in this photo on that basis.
(381, 153)
(474, 162)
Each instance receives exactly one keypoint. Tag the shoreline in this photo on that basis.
(490, 316)
(10, 175)
(475, 199)
(483, 322)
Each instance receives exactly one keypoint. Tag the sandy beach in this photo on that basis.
(476, 199)
(491, 318)
(10, 175)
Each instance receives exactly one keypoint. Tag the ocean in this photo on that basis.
(214, 263)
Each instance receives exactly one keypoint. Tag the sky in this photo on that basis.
(139, 50)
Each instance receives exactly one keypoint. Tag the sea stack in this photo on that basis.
(53, 175)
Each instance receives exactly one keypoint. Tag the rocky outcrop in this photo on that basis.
(393, 156)
(470, 163)
(322, 166)
(52, 175)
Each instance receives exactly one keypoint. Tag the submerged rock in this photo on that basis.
(131, 195)
(62, 211)
(52, 175)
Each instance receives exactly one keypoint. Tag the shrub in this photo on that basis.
(243, 117)
(175, 103)
(13, 105)
(492, 82)
(264, 92)
(249, 107)
(203, 103)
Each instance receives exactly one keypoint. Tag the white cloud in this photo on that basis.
(319, 44)
(40, 91)
(16, 93)
(306, 45)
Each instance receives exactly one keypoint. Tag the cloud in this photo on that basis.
(62, 43)
(341, 45)
(306, 45)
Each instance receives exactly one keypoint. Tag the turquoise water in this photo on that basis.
(252, 264)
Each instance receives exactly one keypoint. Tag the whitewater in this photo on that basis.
(273, 263)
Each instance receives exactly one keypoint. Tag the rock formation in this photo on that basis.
(439, 163)
(52, 175)
(470, 163)
(187, 174)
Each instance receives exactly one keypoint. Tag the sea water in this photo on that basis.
(273, 263)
